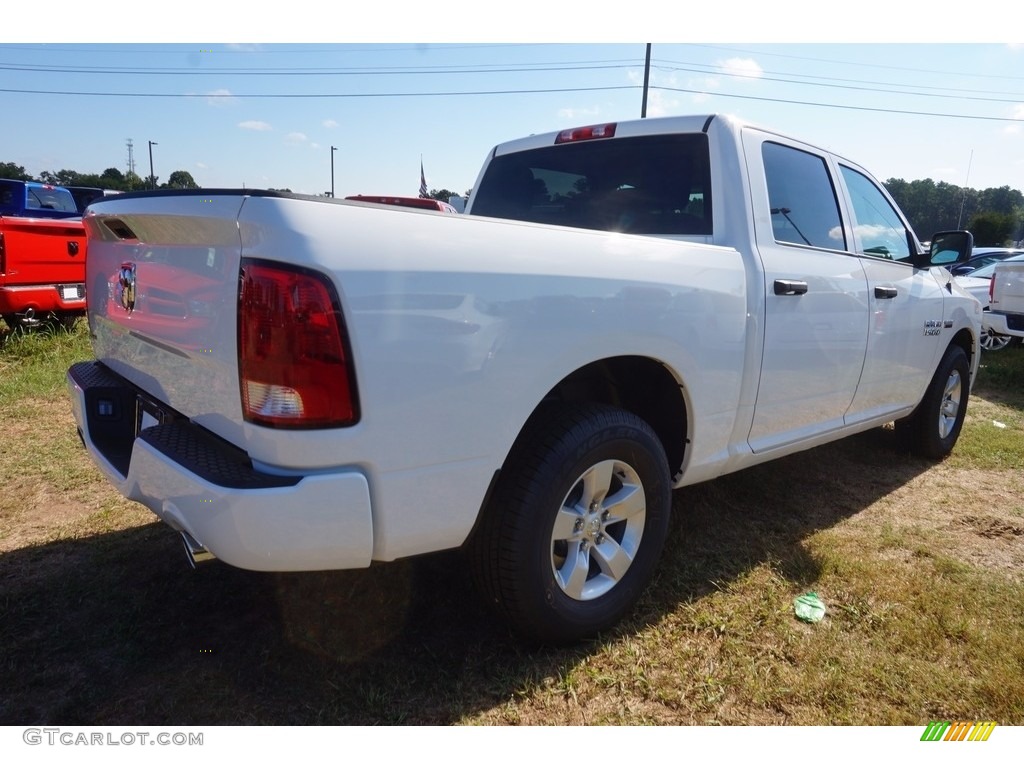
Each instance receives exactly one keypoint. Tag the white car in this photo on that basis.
(978, 283)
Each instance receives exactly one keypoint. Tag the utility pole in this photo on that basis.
(152, 178)
(333, 150)
(647, 80)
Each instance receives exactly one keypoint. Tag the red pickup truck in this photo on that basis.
(42, 254)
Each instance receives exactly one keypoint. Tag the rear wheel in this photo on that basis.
(934, 426)
(576, 525)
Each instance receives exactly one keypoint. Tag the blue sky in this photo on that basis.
(234, 113)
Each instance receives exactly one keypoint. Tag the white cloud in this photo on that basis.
(678, 95)
(219, 98)
(740, 68)
(1017, 113)
(662, 104)
(295, 137)
(202, 166)
(330, 123)
(255, 125)
(575, 113)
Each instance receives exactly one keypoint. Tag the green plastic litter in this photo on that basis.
(809, 607)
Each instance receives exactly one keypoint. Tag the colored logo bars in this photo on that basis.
(958, 731)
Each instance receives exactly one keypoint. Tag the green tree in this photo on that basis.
(14, 172)
(991, 228)
(133, 181)
(63, 178)
(441, 194)
(112, 178)
(180, 180)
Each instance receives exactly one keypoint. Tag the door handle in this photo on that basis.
(790, 287)
(885, 292)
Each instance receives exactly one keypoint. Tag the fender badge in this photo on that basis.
(126, 281)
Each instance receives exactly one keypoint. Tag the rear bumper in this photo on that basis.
(1005, 323)
(62, 297)
(200, 485)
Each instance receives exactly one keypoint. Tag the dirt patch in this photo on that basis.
(990, 527)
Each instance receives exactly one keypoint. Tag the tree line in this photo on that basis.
(112, 178)
(995, 216)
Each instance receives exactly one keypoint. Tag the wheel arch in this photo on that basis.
(642, 385)
(970, 345)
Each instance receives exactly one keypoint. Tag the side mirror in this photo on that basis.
(947, 249)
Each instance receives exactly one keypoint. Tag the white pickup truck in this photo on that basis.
(1005, 314)
(302, 383)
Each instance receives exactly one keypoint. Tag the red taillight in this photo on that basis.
(586, 133)
(293, 352)
(3, 255)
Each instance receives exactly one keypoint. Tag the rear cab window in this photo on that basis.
(47, 198)
(802, 201)
(652, 185)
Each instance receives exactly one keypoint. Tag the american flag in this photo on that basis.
(423, 181)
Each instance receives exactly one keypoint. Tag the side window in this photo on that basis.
(801, 197)
(878, 227)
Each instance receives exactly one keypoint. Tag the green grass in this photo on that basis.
(920, 566)
(993, 436)
(33, 363)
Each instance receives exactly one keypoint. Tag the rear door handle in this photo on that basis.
(790, 287)
(885, 292)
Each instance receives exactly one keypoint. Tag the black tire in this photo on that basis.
(932, 429)
(556, 560)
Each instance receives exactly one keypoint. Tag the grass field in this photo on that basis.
(920, 565)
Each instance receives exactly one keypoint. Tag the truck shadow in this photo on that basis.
(116, 630)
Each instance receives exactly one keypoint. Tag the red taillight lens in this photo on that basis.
(586, 133)
(293, 350)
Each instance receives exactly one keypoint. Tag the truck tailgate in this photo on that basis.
(42, 251)
(162, 279)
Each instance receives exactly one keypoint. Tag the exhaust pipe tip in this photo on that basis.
(28, 319)
(197, 554)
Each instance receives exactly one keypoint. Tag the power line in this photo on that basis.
(869, 64)
(474, 69)
(797, 102)
(401, 94)
(846, 83)
(505, 92)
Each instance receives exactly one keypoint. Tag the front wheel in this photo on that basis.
(576, 525)
(934, 426)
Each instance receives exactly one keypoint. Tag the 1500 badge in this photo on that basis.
(934, 327)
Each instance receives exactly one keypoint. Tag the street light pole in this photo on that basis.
(333, 150)
(152, 178)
